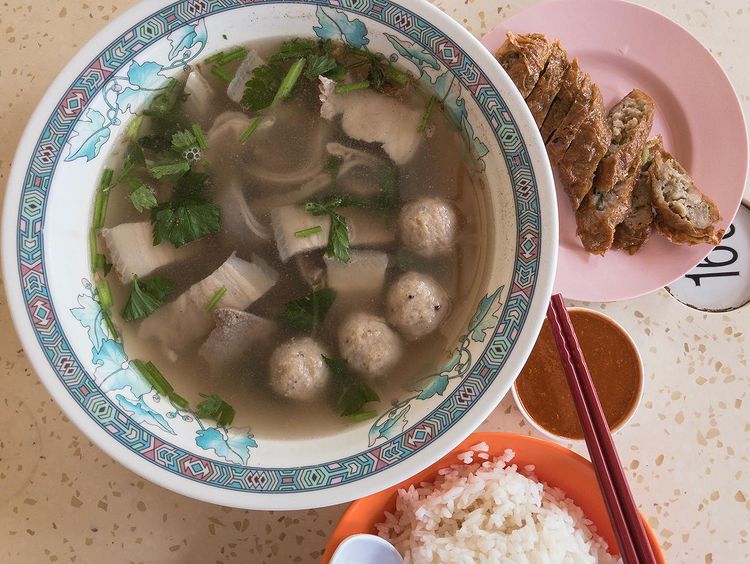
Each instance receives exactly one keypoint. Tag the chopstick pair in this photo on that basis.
(630, 533)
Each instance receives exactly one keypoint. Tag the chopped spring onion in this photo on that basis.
(93, 251)
(362, 415)
(102, 198)
(221, 73)
(216, 298)
(238, 53)
(100, 263)
(250, 130)
(426, 115)
(134, 127)
(215, 58)
(289, 81)
(104, 293)
(309, 231)
(110, 325)
(199, 137)
(177, 400)
(153, 376)
(213, 407)
(344, 88)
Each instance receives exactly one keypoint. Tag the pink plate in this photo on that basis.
(624, 46)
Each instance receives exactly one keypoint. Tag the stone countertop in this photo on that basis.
(686, 451)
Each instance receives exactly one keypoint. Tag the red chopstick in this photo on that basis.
(632, 540)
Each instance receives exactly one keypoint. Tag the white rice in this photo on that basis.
(488, 512)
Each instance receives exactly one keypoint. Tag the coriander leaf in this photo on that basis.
(183, 139)
(261, 89)
(324, 206)
(189, 215)
(295, 49)
(305, 314)
(320, 64)
(213, 407)
(389, 196)
(146, 297)
(161, 170)
(185, 222)
(338, 238)
(353, 394)
(156, 143)
(333, 165)
(143, 198)
(191, 185)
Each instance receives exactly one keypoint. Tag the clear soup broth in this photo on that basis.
(276, 167)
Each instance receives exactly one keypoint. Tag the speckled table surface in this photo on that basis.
(687, 450)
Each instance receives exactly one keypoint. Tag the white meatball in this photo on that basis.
(428, 226)
(297, 369)
(416, 304)
(368, 344)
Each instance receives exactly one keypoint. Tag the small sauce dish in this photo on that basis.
(541, 392)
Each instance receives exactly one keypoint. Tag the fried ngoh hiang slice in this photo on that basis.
(601, 212)
(523, 57)
(563, 136)
(569, 88)
(683, 213)
(548, 85)
(578, 165)
(630, 120)
(637, 226)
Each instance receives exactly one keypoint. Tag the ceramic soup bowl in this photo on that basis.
(48, 210)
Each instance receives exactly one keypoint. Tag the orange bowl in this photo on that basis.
(555, 464)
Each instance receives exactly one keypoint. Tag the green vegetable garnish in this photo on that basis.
(199, 137)
(261, 89)
(338, 233)
(295, 49)
(287, 84)
(309, 231)
(93, 248)
(110, 325)
(159, 171)
(104, 293)
(215, 58)
(234, 55)
(338, 238)
(146, 297)
(177, 400)
(344, 88)
(134, 127)
(320, 64)
(188, 215)
(184, 139)
(100, 263)
(102, 199)
(213, 407)
(143, 198)
(362, 415)
(307, 313)
(426, 115)
(250, 130)
(332, 165)
(153, 376)
(353, 394)
(221, 73)
(216, 298)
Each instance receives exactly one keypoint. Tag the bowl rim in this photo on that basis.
(344, 528)
(562, 439)
(180, 483)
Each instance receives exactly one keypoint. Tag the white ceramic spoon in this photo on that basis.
(366, 549)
